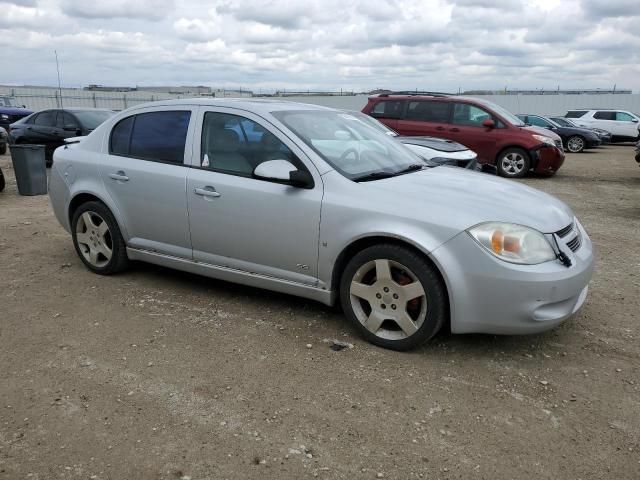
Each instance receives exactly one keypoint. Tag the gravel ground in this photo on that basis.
(156, 374)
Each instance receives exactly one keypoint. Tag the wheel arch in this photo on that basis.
(360, 244)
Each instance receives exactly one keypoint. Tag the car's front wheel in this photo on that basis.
(97, 239)
(393, 296)
(513, 163)
(575, 144)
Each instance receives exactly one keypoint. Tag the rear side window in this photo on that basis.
(387, 110)
(575, 113)
(428, 111)
(605, 115)
(158, 136)
(46, 119)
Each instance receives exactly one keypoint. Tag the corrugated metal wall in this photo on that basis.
(41, 98)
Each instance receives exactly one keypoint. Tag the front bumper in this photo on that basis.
(547, 160)
(489, 295)
(593, 142)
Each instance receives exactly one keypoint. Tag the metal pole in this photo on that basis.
(59, 84)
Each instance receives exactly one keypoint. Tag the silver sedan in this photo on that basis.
(313, 202)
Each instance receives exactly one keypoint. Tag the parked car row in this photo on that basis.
(314, 202)
(574, 139)
(623, 125)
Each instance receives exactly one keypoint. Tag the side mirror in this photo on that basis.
(489, 123)
(634, 120)
(283, 171)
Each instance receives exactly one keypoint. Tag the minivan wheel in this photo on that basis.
(575, 144)
(513, 163)
(393, 297)
(98, 240)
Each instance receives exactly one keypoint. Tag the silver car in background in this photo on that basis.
(311, 201)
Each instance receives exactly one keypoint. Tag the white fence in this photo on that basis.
(41, 98)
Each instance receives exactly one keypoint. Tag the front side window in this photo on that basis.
(428, 111)
(350, 146)
(391, 109)
(623, 117)
(605, 115)
(538, 122)
(468, 115)
(46, 119)
(236, 145)
(158, 136)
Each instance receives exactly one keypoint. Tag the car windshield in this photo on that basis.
(92, 118)
(353, 148)
(7, 102)
(372, 122)
(563, 121)
(503, 112)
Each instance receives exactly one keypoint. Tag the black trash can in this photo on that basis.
(30, 169)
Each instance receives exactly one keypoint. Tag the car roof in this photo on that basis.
(253, 105)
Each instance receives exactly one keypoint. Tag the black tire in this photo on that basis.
(2, 181)
(423, 271)
(576, 144)
(3, 148)
(119, 260)
(506, 166)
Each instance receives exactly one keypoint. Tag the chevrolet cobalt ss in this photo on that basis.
(313, 202)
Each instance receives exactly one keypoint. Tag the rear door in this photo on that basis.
(145, 173)
(606, 119)
(425, 118)
(466, 128)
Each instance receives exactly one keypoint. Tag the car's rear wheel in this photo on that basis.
(393, 296)
(97, 239)
(575, 144)
(513, 163)
(3, 148)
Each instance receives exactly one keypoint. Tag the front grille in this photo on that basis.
(575, 243)
(565, 231)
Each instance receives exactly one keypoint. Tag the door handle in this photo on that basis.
(454, 129)
(119, 176)
(440, 129)
(207, 191)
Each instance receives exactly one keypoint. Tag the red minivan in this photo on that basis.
(495, 134)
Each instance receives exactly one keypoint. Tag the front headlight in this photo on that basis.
(544, 139)
(4, 116)
(513, 243)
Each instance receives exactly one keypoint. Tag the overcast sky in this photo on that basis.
(324, 44)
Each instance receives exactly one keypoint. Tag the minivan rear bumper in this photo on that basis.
(546, 159)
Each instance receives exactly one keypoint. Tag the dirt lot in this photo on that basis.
(155, 374)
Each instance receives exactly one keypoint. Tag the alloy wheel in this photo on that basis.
(94, 239)
(388, 299)
(575, 144)
(513, 163)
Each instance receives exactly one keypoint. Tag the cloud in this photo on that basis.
(142, 9)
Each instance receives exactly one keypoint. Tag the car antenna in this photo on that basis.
(59, 85)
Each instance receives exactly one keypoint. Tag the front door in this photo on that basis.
(466, 128)
(241, 222)
(145, 174)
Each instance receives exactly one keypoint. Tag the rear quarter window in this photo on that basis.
(391, 109)
(157, 136)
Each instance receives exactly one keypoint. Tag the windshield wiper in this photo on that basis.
(373, 176)
(414, 167)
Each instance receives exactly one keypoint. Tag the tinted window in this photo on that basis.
(46, 119)
(575, 113)
(428, 111)
(623, 117)
(605, 115)
(90, 119)
(237, 145)
(160, 136)
(538, 122)
(120, 136)
(387, 110)
(469, 115)
(69, 120)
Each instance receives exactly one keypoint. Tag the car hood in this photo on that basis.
(15, 111)
(461, 199)
(542, 131)
(439, 144)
